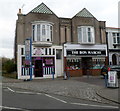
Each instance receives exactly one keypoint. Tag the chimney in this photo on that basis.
(19, 13)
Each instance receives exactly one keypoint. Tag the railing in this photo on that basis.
(26, 71)
(48, 70)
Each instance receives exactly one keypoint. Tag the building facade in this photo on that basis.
(77, 44)
(113, 38)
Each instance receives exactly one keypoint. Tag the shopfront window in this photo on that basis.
(93, 63)
(74, 64)
(98, 63)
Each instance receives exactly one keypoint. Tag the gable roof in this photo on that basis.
(84, 13)
(42, 8)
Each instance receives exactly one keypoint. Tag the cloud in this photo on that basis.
(6, 52)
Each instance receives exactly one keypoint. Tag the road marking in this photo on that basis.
(62, 100)
(94, 105)
(21, 92)
(25, 92)
(55, 98)
(6, 107)
(10, 89)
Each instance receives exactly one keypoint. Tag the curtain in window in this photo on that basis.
(86, 34)
(42, 32)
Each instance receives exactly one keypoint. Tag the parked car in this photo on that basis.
(116, 68)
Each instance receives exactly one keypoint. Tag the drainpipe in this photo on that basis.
(107, 47)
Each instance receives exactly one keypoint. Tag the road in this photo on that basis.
(23, 100)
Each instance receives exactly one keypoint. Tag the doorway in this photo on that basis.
(114, 59)
(86, 65)
(38, 68)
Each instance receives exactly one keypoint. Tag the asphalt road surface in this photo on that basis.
(23, 100)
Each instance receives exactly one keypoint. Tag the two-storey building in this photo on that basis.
(87, 52)
(113, 38)
(76, 44)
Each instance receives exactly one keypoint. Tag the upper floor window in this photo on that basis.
(42, 32)
(116, 38)
(86, 34)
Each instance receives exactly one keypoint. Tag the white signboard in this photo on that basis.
(38, 51)
(112, 77)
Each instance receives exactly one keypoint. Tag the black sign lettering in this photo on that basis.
(78, 52)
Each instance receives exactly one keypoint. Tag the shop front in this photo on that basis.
(43, 62)
(80, 60)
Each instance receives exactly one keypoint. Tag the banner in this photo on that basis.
(27, 49)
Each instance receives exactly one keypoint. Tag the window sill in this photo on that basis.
(86, 43)
(116, 44)
(41, 43)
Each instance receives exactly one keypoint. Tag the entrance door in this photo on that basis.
(38, 68)
(114, 59)
(86, 65)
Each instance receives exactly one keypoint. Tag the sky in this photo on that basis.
(102, 10)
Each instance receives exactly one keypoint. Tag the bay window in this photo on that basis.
(86, 34)
(42, 32)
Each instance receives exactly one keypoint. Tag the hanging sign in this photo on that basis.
(27, 49)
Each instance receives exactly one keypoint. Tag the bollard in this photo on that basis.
(52, 75)
(65, 77)
(68, 74)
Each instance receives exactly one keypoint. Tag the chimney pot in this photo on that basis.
(19, 11)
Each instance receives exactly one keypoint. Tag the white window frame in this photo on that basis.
(115, 38)
(37, 34)
(83, 36)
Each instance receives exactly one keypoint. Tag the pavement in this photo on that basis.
(90, 88)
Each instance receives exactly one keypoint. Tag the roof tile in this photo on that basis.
(42, 8)
(84, 13)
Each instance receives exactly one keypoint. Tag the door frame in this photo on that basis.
(37, 59)
(114, 59)
(86, 70)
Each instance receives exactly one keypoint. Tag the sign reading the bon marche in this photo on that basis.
(78, 52)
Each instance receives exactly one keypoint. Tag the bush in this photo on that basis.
(8, 65)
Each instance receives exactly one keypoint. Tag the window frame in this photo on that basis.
(37, 34)
(116, 37)
(83, 31)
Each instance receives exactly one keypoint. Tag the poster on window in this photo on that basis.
(49, 61)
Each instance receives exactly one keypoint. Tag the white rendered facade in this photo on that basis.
(113, 37)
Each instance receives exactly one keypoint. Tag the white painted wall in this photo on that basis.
(59, 67)
(110, 38)
(110, 44)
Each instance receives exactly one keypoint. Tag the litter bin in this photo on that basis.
(112, 79)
